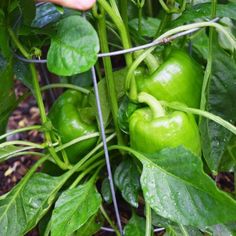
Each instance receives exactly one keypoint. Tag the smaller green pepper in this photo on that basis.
(70, 117)
(153, 128)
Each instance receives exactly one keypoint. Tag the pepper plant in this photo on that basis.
(168, 109)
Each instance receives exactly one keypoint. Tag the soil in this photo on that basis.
(13, 170)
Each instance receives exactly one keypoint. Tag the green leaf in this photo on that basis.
(229, 26)
(119, 78)
(74, 48)
(200, 44)
(74, 208)
(105, 105)
(182, 230)
(22, 73)
(4, 37)
(221, 99)
(7, 95)
(203, 11)
(126, 178)
(135, 226)
(26, 203)
(91, 227)
(45, 14)
(226, 230)
(149, 26)
(172, 228)
(28, 10)
(176, 188)
(126, 109)
(228, 161)
(106, 191)
(81, 80)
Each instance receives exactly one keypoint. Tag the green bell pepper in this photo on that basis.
(153, 128)
(179, 78)
(70, 117)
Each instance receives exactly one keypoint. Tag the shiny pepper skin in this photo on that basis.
(69, 124)
(152, 128)
(178, 78)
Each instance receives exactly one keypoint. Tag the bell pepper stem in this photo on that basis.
(155, 106)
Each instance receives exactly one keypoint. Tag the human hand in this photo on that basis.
(82, 5)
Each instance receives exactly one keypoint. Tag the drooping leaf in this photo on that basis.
(7, 95)
(74, 48)
(45, 14)
(135, 226)
(203, 11)
(22, 73)
(221, 99)
(74, 208)
(176, 188)
(126, 178)
(106, 191)
(26, 203)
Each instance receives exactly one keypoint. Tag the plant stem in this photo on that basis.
(125, 41)
(163, 23)
(148, 231)
(16, 154)
(112, 96)
(77, 140)
(18, 44)
(115, 8)
(38, 97)
(84, 173)
(124, 13)
(19, 142)
(207, 74)
(121, 27)
(63, 85)
(93, 151)
(33, 127)
(150, 7)
(109, 220)
(39, 100)
(140, 15)
(183, 230)
(205, 114)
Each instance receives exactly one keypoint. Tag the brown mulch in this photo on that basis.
(26, 114)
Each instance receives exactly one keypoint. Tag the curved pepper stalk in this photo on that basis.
(153, 128)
